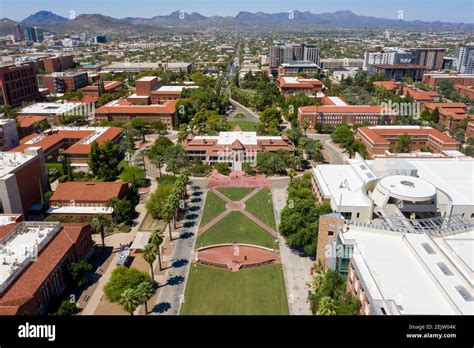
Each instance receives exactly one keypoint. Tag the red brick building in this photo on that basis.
(61, 82)
(76, 142)
(86, 199)
(434, 79)
(124, 111)
(22, 180)
(380, 139)
(18, 84)
(57, 64)
(344, 114)
(29, 124)
(421, 96)
(29, 283)
(450, 114)
(291, 85)
(465, 91)
(91, 93)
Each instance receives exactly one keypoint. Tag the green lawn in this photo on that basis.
(251, 291)
(247, 126)
(235, 227)
(213, 207)
(235, 193)
(261, 206)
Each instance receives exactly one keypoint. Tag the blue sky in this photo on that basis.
(443, 10)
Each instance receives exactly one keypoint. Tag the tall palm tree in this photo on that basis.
(129, 300)
(114, 203)
(327, 306)
(98, 225)
(144, 293)
(149, 255)
(167, 212)
(156, 239)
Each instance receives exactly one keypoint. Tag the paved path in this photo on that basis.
(296, 268)
(172, 293)
(252, 116)
(242, 210)
(333, 154)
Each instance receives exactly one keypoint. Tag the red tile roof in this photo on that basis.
(93, 192)
(378, 134)
(57, 137)
(27, 121)
(124, 107)
(349, 109)
(30, 281)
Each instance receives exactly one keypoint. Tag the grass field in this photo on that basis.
(235, 193)
(247, 126)
(214, 291)
(213, 207)
(235, 227)
(261, 206)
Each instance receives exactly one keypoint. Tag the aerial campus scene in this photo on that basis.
(257, 158)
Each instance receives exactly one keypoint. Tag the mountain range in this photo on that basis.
(341, 19)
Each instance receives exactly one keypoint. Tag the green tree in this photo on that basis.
(140, 124)
(129, 300)
(133, 175)
(403, 144)
(67, 308)
(149, 255)
(144, 292)
(175, 158)
(327, 306)
(156, 239)
(123, 278)
(75, 272)
(98, 225)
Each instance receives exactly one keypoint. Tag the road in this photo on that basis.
(250, 115)
(331, 153)
(171, 294)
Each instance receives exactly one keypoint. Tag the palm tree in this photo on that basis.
(149, 255)
(291, 174)
(114, 203)
(167, 212)
(144, 292)
(98, 225)
(327, 306)
(129, 300)
(156, 239)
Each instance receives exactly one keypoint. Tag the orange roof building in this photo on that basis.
(422, 96)
(75, 141)
(450, 114)
(235, 147)
(291, 85)
(379, 140)
(29, 282)
(391, 86)
(86, 199)
(91, 93)
(344, 114)
(123, 111)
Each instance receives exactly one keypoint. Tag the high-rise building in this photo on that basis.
(464, 58)
(18, 84)
(39, 34)
(61, 82)
(19, 32)
(431, 58)
(284, 53)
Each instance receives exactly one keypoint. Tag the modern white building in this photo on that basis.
(403, 272)
(403, 188)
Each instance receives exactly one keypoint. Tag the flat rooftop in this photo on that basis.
(411, 270)
(342, 184)
(245, 138)
(20, 246)
(10, 161)
(50, 108)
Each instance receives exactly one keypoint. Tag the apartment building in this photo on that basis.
(297, 67)
(84, 200)
(59, 63)
(61, 82)
(22, 180)
(18, 84)
(380, 140)
(8, 134)
(30, 280)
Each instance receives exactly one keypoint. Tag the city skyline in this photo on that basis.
(454, 11)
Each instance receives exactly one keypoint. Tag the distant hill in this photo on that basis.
(44, 17)
(244, 19)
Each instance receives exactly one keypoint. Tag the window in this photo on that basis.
(358, 214)
(428, 248)
(464, 293)
(445, 269)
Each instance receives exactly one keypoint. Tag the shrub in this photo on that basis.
(222, 168)
(67, 308)
(123, 278)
